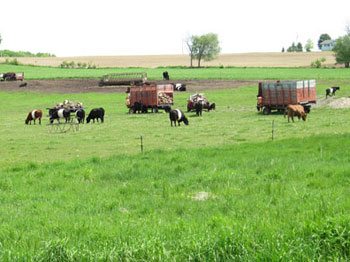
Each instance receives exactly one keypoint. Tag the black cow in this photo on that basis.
(178, 116)
(166, 75)
(96, 113)
(138, 107)
(199, 108)
(80, 115)
(59, 113)
(331, 91)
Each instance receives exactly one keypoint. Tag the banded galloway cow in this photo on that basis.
(295, 110)
(331, 91)
(33, 115)
(58, 114)
(80, 115)
(178, 116)
(179, 87)
(96, 113)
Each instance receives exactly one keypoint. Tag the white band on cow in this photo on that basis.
(60, 113)
(179, 115)
(33, 114)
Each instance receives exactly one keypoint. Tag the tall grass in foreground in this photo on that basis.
(287, 200)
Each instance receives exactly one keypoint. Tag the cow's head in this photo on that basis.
(303, 116)
(185, 121)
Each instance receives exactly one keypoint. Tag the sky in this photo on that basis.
(158, 27)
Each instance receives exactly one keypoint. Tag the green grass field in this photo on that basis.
(239, 73)
(218, 189)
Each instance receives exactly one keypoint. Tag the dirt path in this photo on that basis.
(91, 85)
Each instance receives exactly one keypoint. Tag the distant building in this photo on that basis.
(327, 45)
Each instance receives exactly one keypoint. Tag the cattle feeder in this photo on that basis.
(278, 95)
(150, 96)
(130, 78)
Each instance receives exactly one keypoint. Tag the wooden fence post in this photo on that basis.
(141, 144)
(273, 129)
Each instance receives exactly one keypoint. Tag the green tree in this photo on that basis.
(292, 48)
(295, 48)
(322, 38)
(299, 47)
(309, 45)
(342, 50)
(205, 47)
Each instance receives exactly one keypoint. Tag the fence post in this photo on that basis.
(141, 144)
(273, 129)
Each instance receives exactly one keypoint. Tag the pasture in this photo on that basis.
(184, 73)
(218, 189)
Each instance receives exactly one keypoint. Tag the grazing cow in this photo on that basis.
(33, 115)
(58, 114)
(96, 113)
(295, 110)
(138, 107)
(166, 75)
(199, 107)
(331, 91)
(80, 115)
(211, 107)
(179, 87)
(178, 116)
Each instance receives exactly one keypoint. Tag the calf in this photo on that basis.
(295, 110)
(331, 91)
(96, 113)
(58, 114)
(80, 115)
(33, 115)
(177, 116)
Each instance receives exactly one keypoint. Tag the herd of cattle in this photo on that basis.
(65, 114)
(63, 111)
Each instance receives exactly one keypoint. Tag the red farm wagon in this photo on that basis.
(278, 95)
(150, 96)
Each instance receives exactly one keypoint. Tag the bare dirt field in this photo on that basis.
(271, 59)
(91, 85)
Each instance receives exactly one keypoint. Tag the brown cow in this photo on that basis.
(295, 110)
(33, 115)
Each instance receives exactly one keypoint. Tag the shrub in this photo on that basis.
(12, 61)
(79, 65)
(318, 62)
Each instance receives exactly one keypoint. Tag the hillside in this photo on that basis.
(239, 60)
